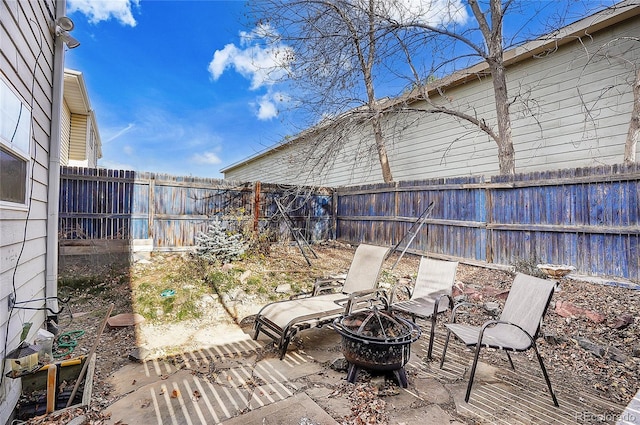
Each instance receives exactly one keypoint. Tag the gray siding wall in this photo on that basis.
(573, 110)
(25, 38)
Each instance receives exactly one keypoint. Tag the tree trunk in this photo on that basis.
(634, 125)
(506, 153)
(493, 38)
(382, 150)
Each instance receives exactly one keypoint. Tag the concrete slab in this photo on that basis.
(292, 367)
(296, 410)
(430, 414)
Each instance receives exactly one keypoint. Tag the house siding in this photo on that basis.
(581, 100)
(65, 136)
(26, 61)
(78, 144)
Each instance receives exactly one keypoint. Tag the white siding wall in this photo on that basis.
(65, 136)
(78, 145)
(23, 27)
(581, 100)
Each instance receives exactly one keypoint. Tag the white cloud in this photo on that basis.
(264, 66)
(266, 109)
(267, 105)
(128, 149)
(103, 10)
(207, 158)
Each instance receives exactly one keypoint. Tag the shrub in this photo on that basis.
(216, 245)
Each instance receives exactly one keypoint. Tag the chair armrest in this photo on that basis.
(491, 323)
(396, 288)
(436, 307)
(365, 295)
(323, 285)
(455, 308)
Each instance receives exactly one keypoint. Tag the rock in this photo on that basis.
(635, 351)
(458, 289)
(615, 354)
(594, 316)
(283, 288)
(553, 338)
(138, 354)
(226, 267)
(590, 346)
(502, 295)
(622, 322)
(340, 364)
(567, 309)
(492, 308)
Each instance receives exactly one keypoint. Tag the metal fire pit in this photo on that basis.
(376, 340)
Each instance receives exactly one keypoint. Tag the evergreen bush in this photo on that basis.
(217, 245)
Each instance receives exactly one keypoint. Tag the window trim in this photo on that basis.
(18, 152)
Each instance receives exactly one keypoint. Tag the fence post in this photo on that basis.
(256, 206)
(151, 218)
(334, 214)
(488, 205)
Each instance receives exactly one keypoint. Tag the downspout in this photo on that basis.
(53, 197)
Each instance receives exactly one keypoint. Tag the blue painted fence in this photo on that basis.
(587, 217)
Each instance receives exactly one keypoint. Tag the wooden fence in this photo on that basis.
(99, 204)
(588, 218)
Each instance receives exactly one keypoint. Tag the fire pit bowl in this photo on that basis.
(376, 340)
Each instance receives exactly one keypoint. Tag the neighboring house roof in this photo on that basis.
(550, 42)
(77, 99)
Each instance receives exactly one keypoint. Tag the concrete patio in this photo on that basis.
(242, 381)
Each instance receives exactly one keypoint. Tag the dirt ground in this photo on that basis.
(589, 336)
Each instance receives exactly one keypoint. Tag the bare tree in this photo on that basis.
(344, 51)
(612, 52)
(336, 45)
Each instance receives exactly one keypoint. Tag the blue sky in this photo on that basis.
(158, 106)
(175, 84)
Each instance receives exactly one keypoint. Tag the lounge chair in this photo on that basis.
(431, 294)
(281, 320)
(516, 329)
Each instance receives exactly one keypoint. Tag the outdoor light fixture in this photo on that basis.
(65, 23)
(62, 27)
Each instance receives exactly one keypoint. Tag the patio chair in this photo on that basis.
(516, 329)
(431, 293)
(281, 320)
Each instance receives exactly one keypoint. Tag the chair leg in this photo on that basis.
(510, 361)
(444, 351)
(546, 376)
(284, 344)
(473, 372)
(432, 336)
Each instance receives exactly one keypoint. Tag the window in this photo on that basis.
(15, 129)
